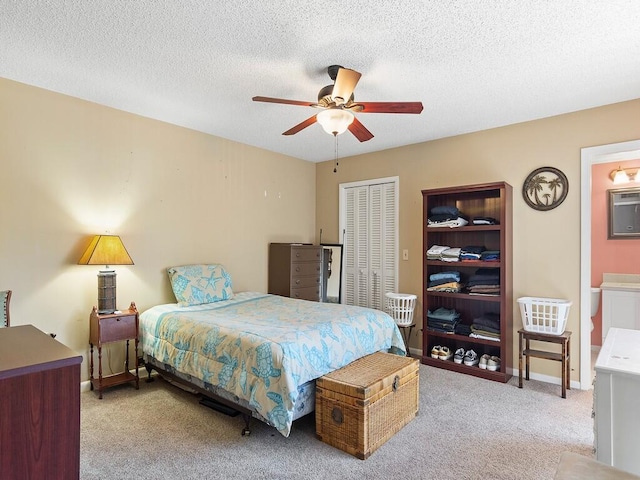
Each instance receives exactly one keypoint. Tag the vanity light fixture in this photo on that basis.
(623, 175)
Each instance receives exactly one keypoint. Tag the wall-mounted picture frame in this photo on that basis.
(545, 188)
(624, 213)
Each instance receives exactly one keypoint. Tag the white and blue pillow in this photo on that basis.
(198, 284)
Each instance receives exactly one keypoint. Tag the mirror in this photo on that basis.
(332, 272)
(624, 213)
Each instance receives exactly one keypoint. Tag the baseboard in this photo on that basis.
(547, 379)
(415, 353)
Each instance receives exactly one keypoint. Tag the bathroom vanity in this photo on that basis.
(620, 302)
(615, 400)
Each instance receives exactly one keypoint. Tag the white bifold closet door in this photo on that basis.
(369, 221)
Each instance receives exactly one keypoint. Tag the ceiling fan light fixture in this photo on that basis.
(335, 121)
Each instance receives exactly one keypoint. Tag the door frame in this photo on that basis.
(342, 187)
(614, 152)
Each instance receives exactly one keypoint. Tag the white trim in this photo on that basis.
(590, 156)
(375, 181)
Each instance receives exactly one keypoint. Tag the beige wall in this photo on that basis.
(546, 245)
(71, 169)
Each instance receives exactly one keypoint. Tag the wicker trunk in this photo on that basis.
(361, 406)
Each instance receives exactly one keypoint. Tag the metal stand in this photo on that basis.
(407, 335)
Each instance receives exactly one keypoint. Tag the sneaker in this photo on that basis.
(445, 353)
(459, 356)
(471, 358)
(493, 364)
(484, 360)
(435, 351)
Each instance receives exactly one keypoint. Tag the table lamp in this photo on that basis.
(106, 250)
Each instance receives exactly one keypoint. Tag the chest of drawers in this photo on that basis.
(295, 270)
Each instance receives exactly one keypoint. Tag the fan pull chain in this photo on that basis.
(335, 135)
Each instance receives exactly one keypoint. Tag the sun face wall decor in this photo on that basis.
(545, 188)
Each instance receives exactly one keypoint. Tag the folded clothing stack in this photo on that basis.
(486, 281)
(435, 252)
(486, 326)
(445, 282)
(442, 320)
(484, 221)
(446, 216)
(463, 329)
(451, 255)
(471, 253)
(490, 256)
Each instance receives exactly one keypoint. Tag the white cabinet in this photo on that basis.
(616, 394)
(620, 307)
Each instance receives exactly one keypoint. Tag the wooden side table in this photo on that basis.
(405, 330)
(109, 328)
(525, 351)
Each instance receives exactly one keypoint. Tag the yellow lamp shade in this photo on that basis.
(106, 250)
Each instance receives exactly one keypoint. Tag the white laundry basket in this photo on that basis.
(544, 315)
(400, 306)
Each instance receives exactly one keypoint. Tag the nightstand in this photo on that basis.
(113, 327)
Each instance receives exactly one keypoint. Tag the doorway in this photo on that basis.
(612, 153)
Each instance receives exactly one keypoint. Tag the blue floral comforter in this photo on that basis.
(261, 347)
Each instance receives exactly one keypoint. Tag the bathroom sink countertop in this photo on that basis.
(620, 286)
(620, 281)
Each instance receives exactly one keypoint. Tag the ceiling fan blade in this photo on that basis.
(283, 100)
(301, 126)
(360, 131)
(345, 84)
(390, 107)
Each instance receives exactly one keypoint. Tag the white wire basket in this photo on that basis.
(544, 315)
(400, 306)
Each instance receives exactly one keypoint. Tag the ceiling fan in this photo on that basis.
(338, 104)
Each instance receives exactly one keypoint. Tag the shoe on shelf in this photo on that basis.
(484, 360)
(435, 351)
(445, 353)
(493, 364)
(471, 358)
(459, 355)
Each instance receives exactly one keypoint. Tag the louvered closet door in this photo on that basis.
(370, 244)
(382, 243)
(356, 252)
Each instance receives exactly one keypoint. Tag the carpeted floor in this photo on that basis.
(467, 428)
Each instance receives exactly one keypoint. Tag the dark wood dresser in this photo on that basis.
(295, 270)
(39, 406)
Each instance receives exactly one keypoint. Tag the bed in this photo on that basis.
(259, 352)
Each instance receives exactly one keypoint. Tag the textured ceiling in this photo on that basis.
(473, 64)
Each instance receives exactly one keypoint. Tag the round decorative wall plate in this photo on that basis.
(545, 188)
